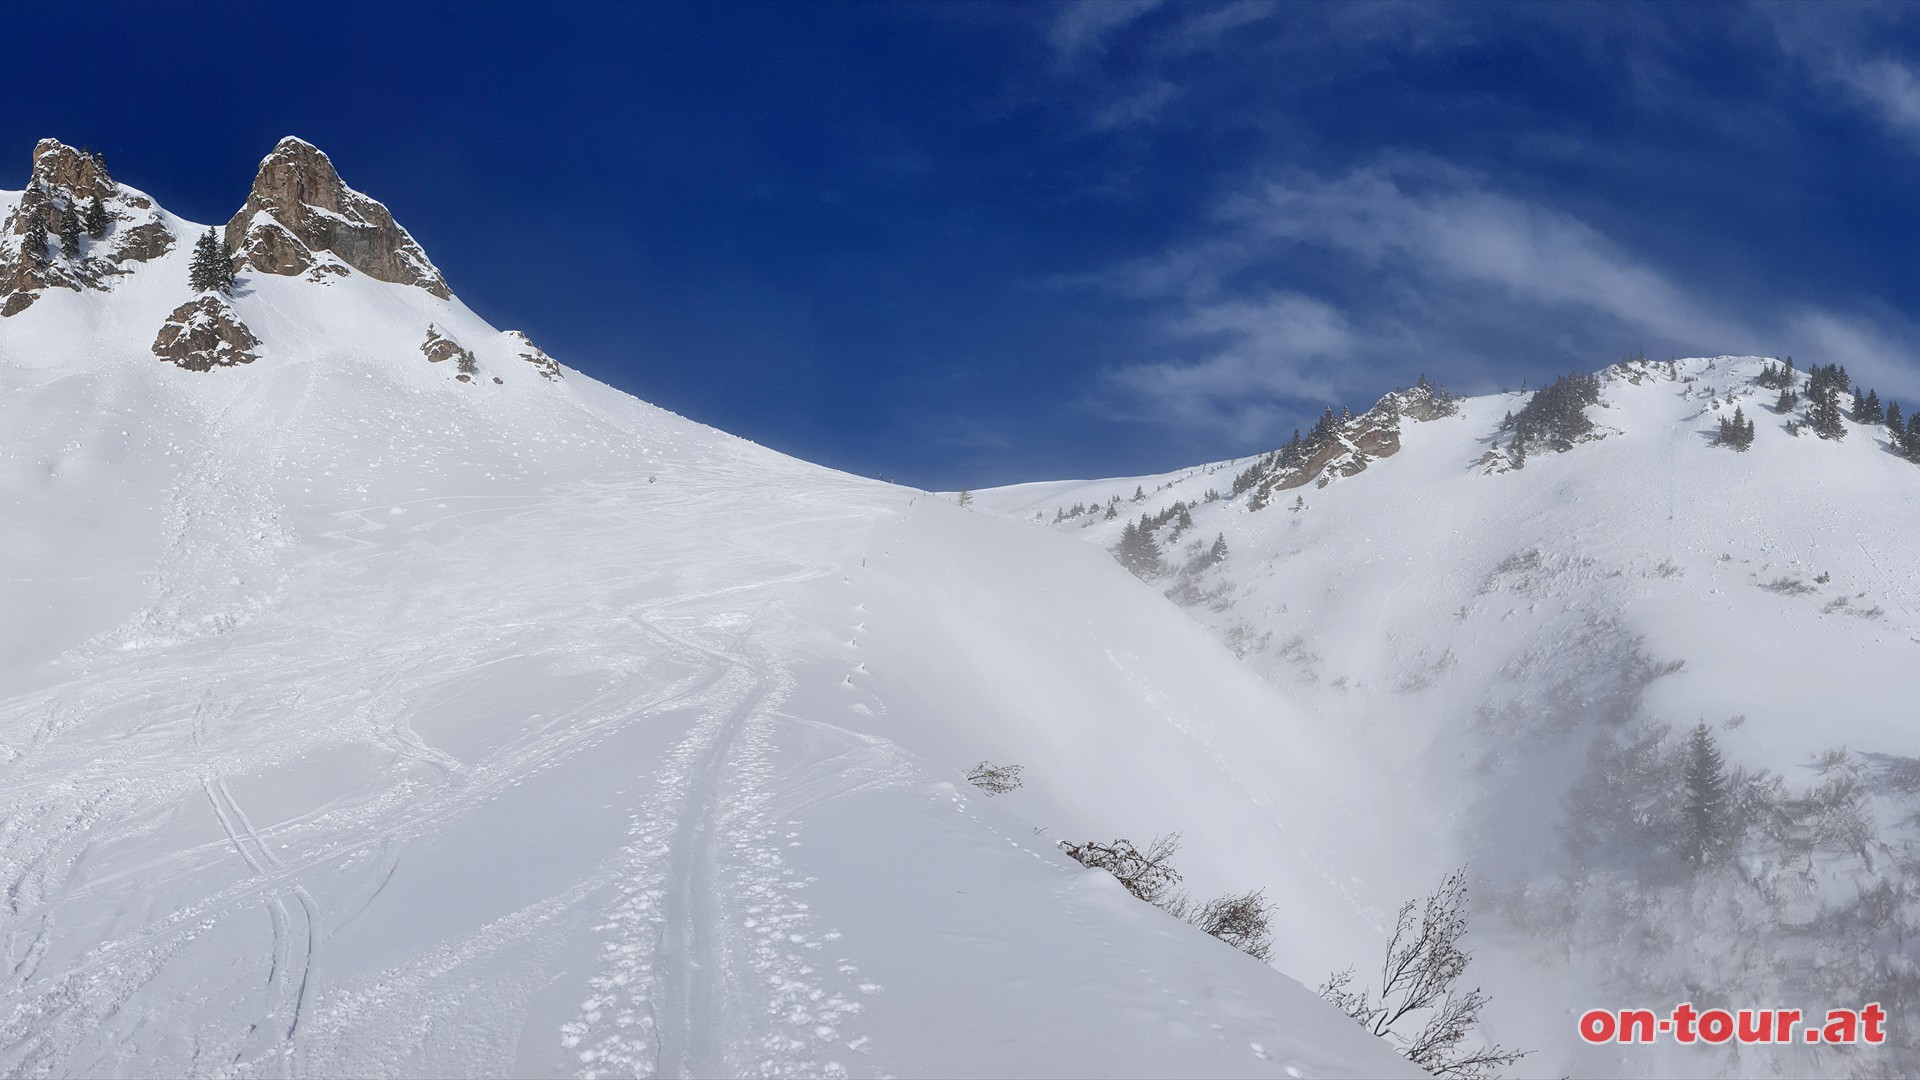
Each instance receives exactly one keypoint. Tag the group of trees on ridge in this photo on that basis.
(1824, 417)
(1554, 418)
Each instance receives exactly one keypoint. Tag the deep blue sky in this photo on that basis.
(980, 243)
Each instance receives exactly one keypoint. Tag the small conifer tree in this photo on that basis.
(33, 245)
(97, 219)
(70, 231)
(1707, 824)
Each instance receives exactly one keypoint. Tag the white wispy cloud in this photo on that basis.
(1532, 252)
(1890, 86)
(1436, 260)
(1141, 91)
(1081, 29)
(1837, 44)
(1264, 352)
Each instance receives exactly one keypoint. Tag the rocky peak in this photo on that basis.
(300, 211)
(75, 173)
(73, 228)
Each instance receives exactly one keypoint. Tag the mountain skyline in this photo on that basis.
(366, 663)
(985, 244)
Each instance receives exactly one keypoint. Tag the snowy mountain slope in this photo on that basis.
(359, 720)
(1502, 638)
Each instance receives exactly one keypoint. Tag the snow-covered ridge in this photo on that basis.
(1526, 641)
(359, 720)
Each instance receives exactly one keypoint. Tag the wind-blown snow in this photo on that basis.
(1481, 634)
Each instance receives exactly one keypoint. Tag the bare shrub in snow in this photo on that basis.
(1149, 875)
(1787, 586)
(1243, 922)
(1423, 962)
(995, 779)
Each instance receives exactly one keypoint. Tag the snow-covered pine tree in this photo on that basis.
(33, 244)
(1823, 410)
(97, 220)
(1736, 431)
(70, 231)
(1707, 827)
(210, 270)
(1867, 410)
(1294, 452)
(1139, 551)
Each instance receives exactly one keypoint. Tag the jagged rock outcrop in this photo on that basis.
(74, 228)
(547, 366)
(302, 218)
(1342, 444)
(439, 347)
(205, 333)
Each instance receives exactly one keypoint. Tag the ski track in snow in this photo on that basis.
(396, 727)
(679, 962)
(709, 928)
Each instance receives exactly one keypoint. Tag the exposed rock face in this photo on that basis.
(41, 248)
(1343, 445)
(547, 366)
(300, 211)
(440, 346)
(204, 333)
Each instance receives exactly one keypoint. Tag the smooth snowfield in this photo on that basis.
(356, 721)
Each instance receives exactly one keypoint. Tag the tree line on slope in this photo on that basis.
(1824, 416)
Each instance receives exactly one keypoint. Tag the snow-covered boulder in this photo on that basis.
(204, 333)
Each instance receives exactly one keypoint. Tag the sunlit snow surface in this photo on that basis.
(357, 721)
